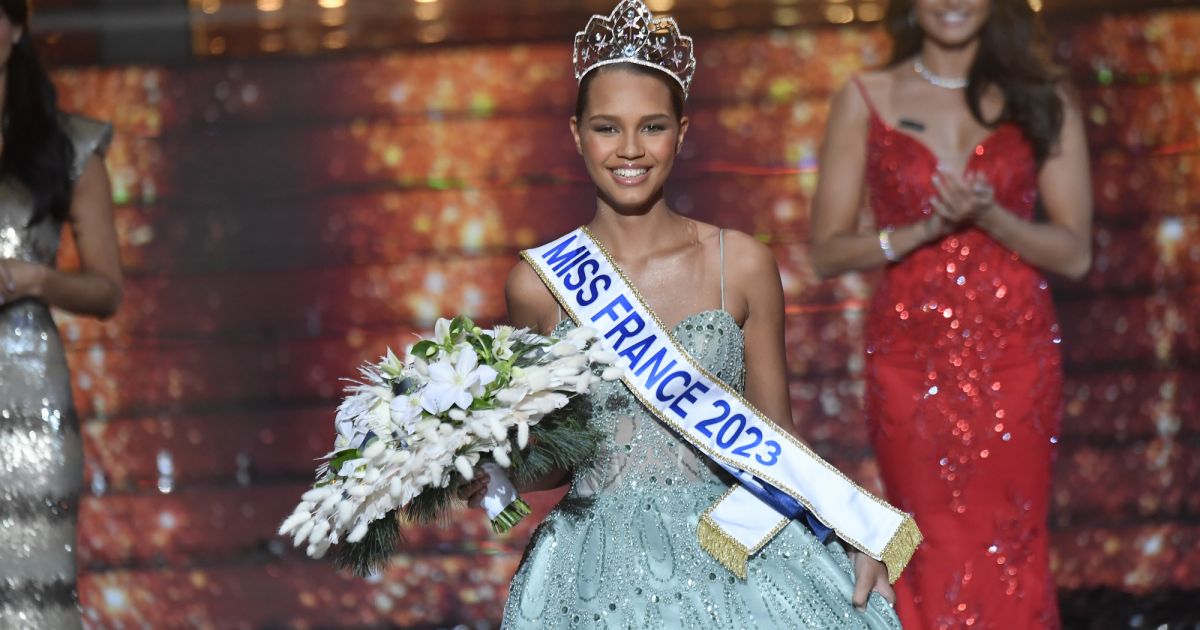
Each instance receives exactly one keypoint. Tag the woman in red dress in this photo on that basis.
(955, 143)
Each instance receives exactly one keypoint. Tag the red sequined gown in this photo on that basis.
(963, 394)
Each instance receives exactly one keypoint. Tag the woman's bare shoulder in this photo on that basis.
(747, 252)
(530, 303)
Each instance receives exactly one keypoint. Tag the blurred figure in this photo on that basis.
(956, 142)
(51, 173)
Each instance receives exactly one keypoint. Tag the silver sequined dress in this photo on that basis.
(620, 550)
(40, 450)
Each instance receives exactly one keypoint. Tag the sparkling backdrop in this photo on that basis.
(283, 220)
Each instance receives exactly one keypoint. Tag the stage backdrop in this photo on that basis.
(283, 220)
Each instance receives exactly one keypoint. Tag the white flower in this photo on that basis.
(319, 531)
(381, 417)
(441, 330)
(302, 533)
(543, 403)
(584, 382)
(374, 449)
(345, 512)
(536, 378)
(391, 365)
(359, 532)
(511, 395)
(317, 494)
(601, 354)
(564, 349)
(503, 342)
(455, 384)
(406, 411)
(292, 522)
(353, 420)
(382, 393)
(577, 362)
(522, 434)
(415, 364)
(581, 335)
(318, 550)
(464, 467)
(350, 468)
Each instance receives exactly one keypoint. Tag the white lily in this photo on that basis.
(455, 384)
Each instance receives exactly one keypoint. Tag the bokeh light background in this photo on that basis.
(283, 219)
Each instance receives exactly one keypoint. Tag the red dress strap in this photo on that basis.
(862, 90)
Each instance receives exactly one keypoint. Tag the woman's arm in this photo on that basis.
(837, 246)
(757, 273)
(96, 288)
(1062, 244)
(752, 268)
(530, 304)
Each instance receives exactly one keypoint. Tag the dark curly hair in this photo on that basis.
(1013, 56)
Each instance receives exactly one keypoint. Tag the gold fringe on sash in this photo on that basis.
(722, 547)
(900, 548)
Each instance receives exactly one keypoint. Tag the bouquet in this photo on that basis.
(409, 432)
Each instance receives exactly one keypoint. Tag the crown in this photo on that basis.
(631, 34)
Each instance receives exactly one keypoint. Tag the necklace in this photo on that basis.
(938, 80)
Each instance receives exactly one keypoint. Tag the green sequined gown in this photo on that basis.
(620, 550)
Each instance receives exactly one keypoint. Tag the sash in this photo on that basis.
(779, 477)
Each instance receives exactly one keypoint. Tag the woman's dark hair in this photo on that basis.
(36, 149)
(1013, 56)
(585, 86)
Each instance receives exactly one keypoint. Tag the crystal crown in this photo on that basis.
(631, 34)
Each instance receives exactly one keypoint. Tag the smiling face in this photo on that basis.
(629, 134)
(952, 23)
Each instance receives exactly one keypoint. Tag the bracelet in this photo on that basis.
(885, 244)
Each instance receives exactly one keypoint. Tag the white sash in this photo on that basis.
(718, 421)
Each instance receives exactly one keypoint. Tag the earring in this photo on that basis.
(912, 17)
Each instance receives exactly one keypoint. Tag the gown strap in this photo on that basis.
(721, 241)
(866, 96)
